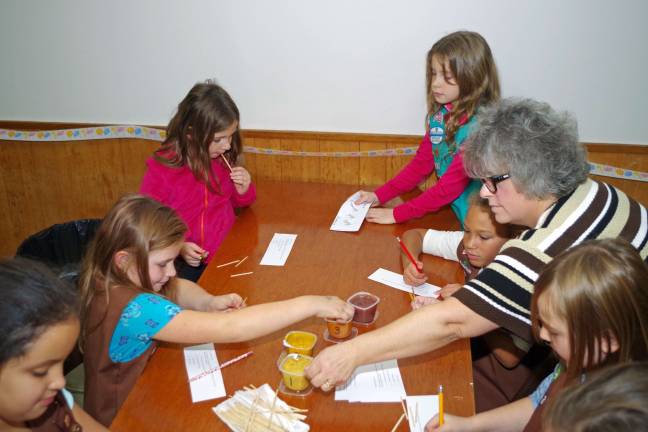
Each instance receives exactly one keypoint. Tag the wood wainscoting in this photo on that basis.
(43, 183)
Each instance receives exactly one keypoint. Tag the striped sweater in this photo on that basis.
(502, 291)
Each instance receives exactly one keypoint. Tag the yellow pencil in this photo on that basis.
(440, 405)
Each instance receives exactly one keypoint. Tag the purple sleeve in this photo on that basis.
(451, 184)
(411, 175)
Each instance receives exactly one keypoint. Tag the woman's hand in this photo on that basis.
(193, 254)
(241, 178)
(332, 366)
(367, 197)
(383, 216)
(333, 308)
(224, 303)
(412, 277)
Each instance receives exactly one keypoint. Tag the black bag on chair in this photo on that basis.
(62, 247)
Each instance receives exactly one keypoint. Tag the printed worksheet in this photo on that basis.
(199, 361)
(376, 382)
(278, 250)
(351, 215)
(395, 280)
(420, 409)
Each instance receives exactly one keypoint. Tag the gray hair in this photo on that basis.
(537, 146)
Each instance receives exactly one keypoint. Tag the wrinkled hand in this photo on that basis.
(411, 275)
(225, 302)
(193, 254)
(332, 366)
(367, 197)
(241, 178)
(451, 423)
(449, 289)
(334, 308)
(383, 216)
(421, 301)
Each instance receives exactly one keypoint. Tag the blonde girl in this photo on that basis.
(461, 77)
(590, 306)
(132, 299)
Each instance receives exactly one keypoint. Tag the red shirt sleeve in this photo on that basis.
(447, 189)
(415, 172)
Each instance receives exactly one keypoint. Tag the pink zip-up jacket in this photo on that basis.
(208, 215)
(449, 186)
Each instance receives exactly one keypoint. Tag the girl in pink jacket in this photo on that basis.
(195, 172)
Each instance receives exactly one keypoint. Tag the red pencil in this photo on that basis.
(409, 255)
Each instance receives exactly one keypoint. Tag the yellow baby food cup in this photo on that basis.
(300, 342)
(292, 368)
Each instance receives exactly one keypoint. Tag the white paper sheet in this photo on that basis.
(199, 359)
(351, 215)
(420, 409)
(395, 280)
(278, 250)
(376, 382)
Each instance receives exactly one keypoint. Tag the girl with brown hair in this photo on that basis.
(591, 306)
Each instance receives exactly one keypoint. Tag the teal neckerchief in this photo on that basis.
(443, 156)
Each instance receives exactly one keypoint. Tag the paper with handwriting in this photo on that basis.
(420, 409)
(395, 280)
(278, 250)
(199, 359)
(351, 215)
(376, 382)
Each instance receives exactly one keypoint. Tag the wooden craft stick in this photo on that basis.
(225, 364)
(228, 263)
(241, 262)
(400, 420)
(240, 274)
(404, 409)
(226, 162)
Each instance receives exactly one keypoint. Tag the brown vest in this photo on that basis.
(107, 384)
(57, 418)
(535, 423)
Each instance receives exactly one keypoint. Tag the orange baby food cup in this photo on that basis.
(338, 330)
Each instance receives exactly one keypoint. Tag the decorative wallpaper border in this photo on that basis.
(143, 132)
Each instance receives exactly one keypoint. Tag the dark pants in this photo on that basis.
(185, 271)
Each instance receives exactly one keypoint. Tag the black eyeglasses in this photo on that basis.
(491, 182)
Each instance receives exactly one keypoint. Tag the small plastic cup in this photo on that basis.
(300, 342)
(366, 307)
(338, 330)
(292, 369)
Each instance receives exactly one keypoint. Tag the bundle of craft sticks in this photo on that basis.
(259, 409)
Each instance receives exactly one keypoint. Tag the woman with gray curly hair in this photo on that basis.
(534, 173)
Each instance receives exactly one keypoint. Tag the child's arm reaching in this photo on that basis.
(447, 189)
(192, 296)
(251, 322)
(508, 418)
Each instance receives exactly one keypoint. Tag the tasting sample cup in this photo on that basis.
(366, 306)
(338, 330)
(292, 369)
(300, 342)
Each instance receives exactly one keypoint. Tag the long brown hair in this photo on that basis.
(138, 225)
(471, 63)
(204, 111)
(599, 289)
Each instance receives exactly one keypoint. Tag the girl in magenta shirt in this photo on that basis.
(461, 77)
(195, 172)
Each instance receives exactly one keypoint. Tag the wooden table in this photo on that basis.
(321, 262)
